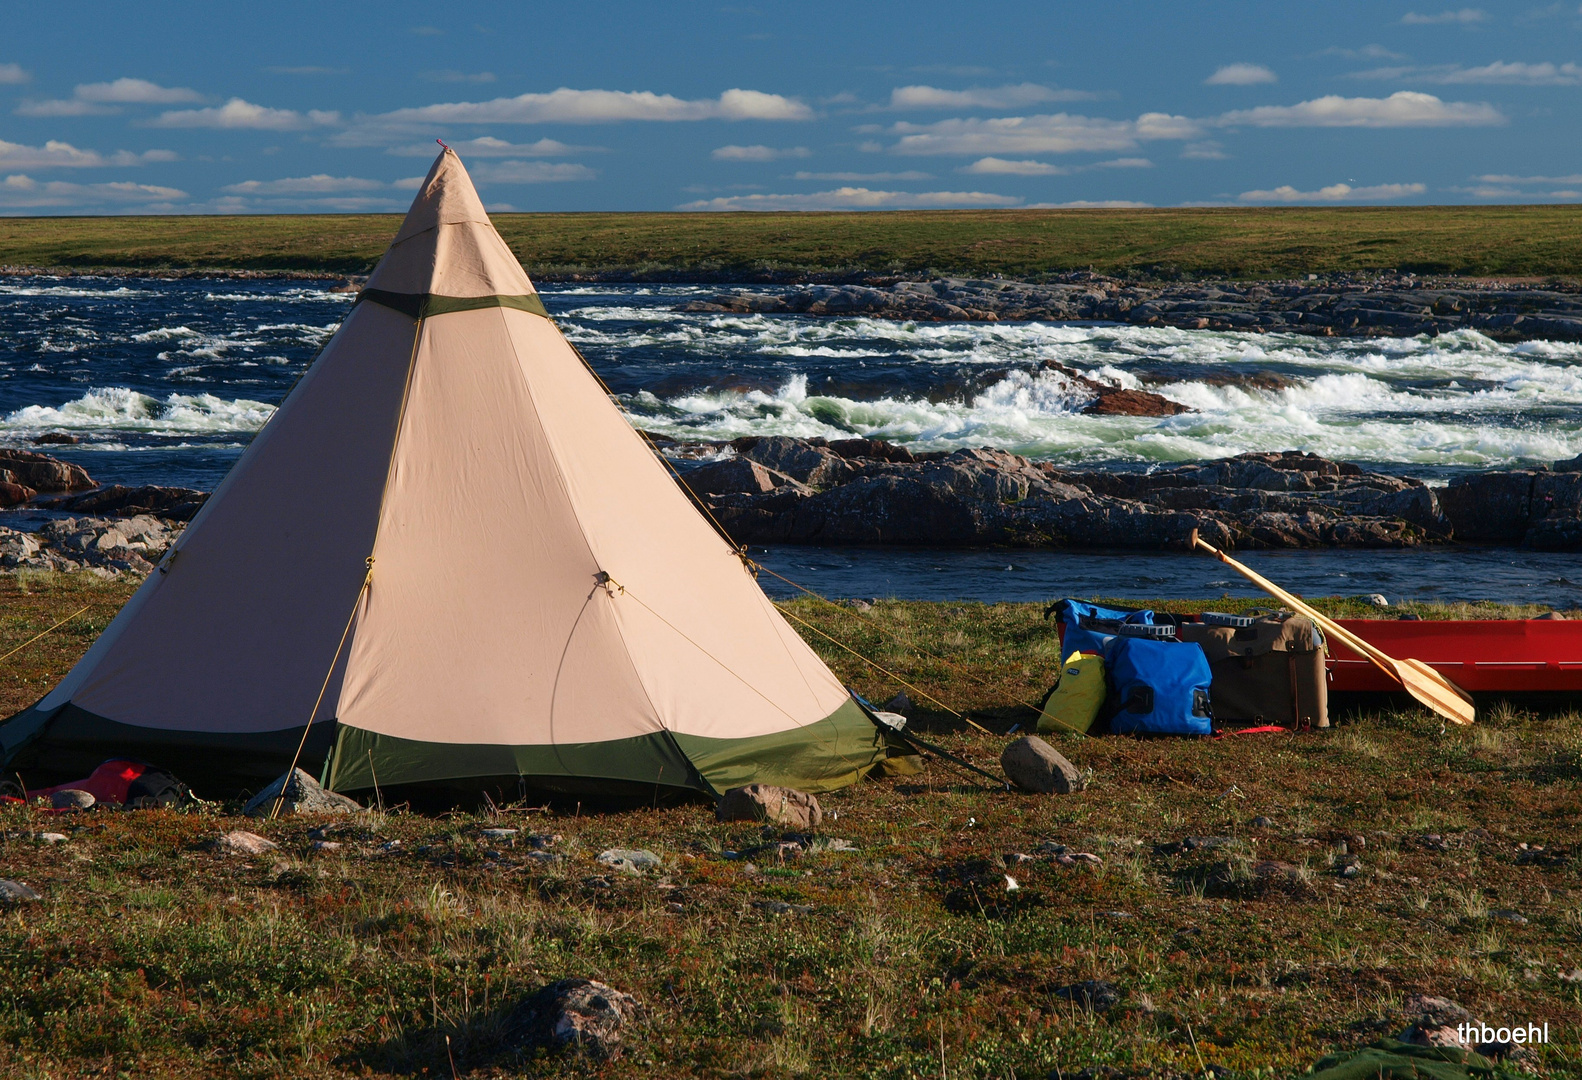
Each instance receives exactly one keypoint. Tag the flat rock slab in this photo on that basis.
(766, 802)
(630, 860)
(1033, 765)
(241, 842)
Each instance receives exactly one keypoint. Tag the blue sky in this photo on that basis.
(294, 107)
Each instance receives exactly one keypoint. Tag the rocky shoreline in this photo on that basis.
(1401, 306)
(778, 490)
(861, 491)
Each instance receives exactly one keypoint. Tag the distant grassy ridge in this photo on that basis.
(1236, 242)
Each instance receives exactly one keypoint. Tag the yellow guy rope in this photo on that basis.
(51, 630)
(285, 784)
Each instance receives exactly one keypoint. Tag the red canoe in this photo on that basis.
(1480, 656)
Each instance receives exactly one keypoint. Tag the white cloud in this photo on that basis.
(100, 99)
(1241, 75)
(1285, 193)
(758, 153)
(981, 97)
(239, 114)
(854, 198)
(1498, 73)
(1367, 52)
(135, 92)
(861, 178)
(317, 184)
(459, 76)
(63, 155)
(1544, 74)
(993, 166)
(1207, 150)
(64, 107)
(309, 69)
(1124, 163)
(1059, 133)
(488, 146)
(1574, 178)
(567, 106)
(22, 192)
(12, 75)
(533, 172)
(1463, 16)
(1406, 108)
(1091, 204)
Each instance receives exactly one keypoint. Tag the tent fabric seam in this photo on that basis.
(582, 531)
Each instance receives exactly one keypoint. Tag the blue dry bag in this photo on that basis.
(1162, 686)
(1079, 638)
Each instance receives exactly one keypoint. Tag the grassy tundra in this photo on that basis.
(1245, 242)
(151, 955)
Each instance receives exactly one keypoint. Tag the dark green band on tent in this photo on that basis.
(70, 742)
(423, 305)
(829, 754)
(362, 760)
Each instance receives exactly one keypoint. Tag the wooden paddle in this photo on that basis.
(1417, 678)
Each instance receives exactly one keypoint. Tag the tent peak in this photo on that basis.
(447, 246)
(446, 197)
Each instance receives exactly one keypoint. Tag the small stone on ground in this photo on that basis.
(630, 860)
(1033, 765)
(241, 842)
(14, 892)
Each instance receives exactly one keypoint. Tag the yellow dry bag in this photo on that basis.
(1075, 701)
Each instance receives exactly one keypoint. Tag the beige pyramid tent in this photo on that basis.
(450, 533)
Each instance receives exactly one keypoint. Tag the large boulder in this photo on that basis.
(1121, 402)
(766, 802)
(303, 795)
(576, 1015)
(12, 493)
(1489, 507)
(42, 472)
(1033, 765)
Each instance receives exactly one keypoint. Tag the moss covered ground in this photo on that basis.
(151, 955)
(1238, 242)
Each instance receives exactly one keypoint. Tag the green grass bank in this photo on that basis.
(152, 955)
(1236, 242)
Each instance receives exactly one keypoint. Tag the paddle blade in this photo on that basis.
(1435, 691)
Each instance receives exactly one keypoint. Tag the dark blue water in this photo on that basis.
(166, 381)
(1506, 575)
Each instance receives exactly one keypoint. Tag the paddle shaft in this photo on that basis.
(1382, 660)
(1324, 622)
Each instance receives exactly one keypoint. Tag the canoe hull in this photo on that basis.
(1478, 655)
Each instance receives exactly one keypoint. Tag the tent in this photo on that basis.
(450, 548)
